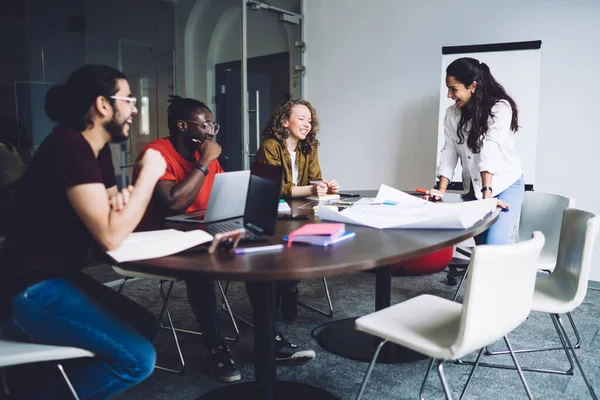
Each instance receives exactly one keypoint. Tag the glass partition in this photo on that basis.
(43, 41)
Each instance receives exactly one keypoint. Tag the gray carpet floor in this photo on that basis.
(353, 295)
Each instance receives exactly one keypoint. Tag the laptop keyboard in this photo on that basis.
(222, 227)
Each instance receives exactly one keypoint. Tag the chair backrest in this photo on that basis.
(543, 212)
(499, 292)
(577, 239)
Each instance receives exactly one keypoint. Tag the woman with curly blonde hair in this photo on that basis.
(290, 140)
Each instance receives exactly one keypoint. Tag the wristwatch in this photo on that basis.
(201, 168)
(486, 188)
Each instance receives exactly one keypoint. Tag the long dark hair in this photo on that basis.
(277, 131)
(487, 93)
(69, 104)
(181, 109)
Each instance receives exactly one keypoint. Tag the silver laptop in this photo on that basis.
(227, 199)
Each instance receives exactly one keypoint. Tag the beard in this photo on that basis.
(115, 129)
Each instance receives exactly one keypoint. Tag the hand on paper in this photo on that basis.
(153, 163)
(435, 194)
(332, 186)
(120, 200)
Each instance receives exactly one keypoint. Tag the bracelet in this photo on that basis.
(201, 168)
(486, 188)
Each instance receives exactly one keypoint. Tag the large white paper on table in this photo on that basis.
(394, 209)
(154, 244)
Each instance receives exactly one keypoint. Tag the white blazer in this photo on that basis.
(498, 154)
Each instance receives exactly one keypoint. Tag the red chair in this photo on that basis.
(427, 264)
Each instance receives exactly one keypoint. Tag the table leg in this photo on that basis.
(340, 337)
(266, 386)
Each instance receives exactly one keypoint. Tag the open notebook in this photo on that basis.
(155, 244)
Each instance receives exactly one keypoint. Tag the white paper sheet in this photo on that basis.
(154, 244)
(394, 209)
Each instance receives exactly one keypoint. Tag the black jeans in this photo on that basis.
(281, 287)
(203, 300)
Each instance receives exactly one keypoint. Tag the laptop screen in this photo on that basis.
(263, 198)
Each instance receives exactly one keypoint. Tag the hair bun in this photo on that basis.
(56, 103)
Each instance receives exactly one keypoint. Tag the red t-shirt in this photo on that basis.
(177, 169)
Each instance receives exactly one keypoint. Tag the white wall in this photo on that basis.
(373, 73)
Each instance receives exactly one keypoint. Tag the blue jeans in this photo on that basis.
(84, 313)
(504, 230)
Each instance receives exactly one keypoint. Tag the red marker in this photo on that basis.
(433, 192)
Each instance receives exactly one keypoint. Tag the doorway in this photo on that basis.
(268, 83)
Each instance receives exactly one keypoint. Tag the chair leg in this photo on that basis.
(470, 378)
(237, 331)
(166, 296)
(514, 357)
(370, 369)
(166, 310)
(327, 314)
(547, 371)
(225, 306)
(462, 281)
(577, 345)
(444, 380)
(67, 381)
(429, 368)
(570, 346)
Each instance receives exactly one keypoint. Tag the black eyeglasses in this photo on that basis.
(207, 126)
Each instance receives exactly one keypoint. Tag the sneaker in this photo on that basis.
(287, 353)
(289, 304)
(221, 366)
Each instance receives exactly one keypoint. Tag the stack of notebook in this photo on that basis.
(323, 234)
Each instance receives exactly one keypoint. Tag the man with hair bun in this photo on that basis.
(67, 197)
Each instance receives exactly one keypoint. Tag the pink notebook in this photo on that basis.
(326, 229)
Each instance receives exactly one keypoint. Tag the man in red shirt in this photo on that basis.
(191, 155)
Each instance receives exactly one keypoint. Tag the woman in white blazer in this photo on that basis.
(479, 130)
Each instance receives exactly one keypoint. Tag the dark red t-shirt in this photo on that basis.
(45, 238)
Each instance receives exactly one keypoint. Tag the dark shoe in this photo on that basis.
(221, 366)
(287, 353)
(289, 304)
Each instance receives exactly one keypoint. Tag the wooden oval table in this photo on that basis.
(371, 248)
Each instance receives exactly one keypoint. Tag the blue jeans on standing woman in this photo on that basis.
(82, 312)
(505, 229)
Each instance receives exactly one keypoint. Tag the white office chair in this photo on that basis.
(494, 305)
(540, 212)
(564, 290)
(544, 212)
(127, 275)
(18, 353)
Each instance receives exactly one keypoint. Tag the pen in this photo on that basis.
(432, 192)
(247, 250)
(200, 142)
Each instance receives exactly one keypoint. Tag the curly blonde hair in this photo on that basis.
(277, 131)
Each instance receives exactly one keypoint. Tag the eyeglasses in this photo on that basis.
(207, 126)
(131, 100)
